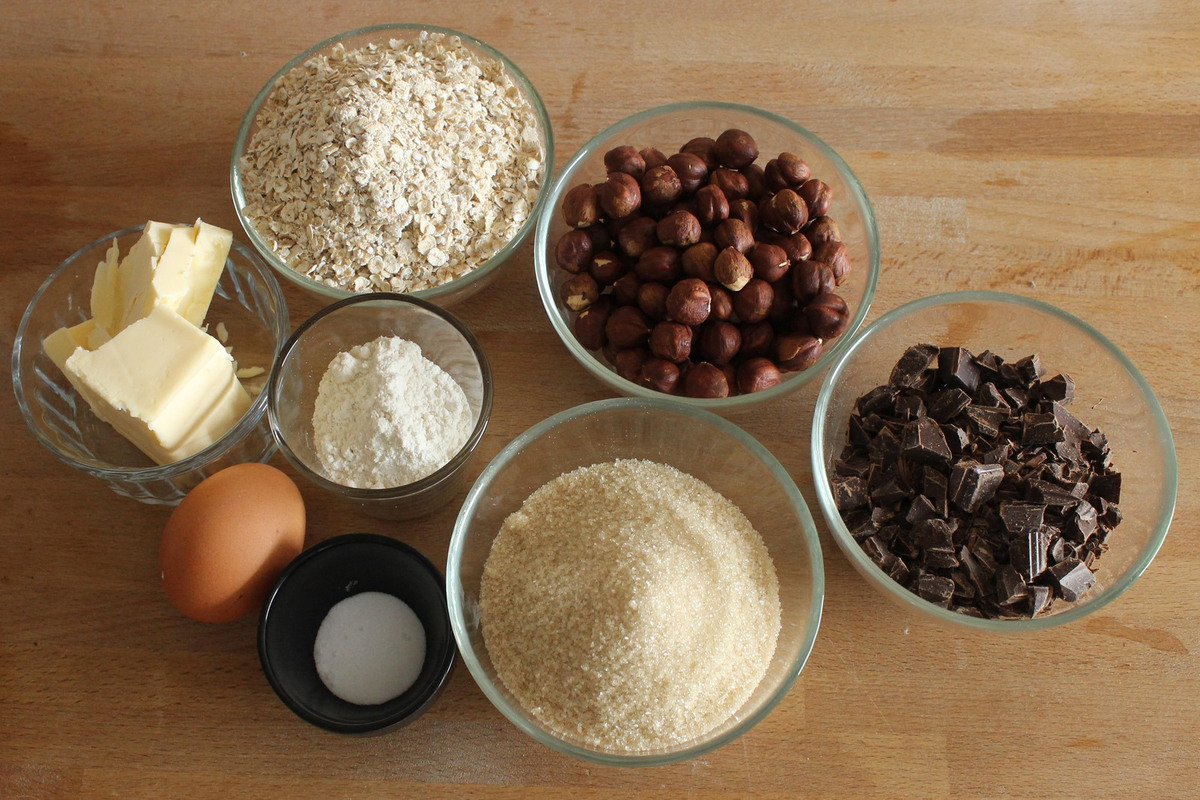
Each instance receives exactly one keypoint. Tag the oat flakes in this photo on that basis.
(393, 167)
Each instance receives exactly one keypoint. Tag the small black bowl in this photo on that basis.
(313, 583)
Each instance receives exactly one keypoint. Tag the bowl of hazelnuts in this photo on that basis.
(713, 252)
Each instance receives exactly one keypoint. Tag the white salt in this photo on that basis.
(370, 648)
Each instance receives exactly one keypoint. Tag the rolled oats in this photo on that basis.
(393, 167)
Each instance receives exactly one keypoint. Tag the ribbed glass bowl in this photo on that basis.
(447, 293)
(248, 301)
(668, 128)
(1110, 394)
(357, 320)
(694, 441)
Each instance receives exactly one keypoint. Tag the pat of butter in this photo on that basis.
(65, 341)
(163, 383)
(176, 266)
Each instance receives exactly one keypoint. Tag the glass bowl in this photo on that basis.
(248, 301)
(1110, 394)
(357, 320)
(689, 440)
(444, 294)
(668, 128)
(316, 581)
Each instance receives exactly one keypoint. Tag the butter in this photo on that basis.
(175, 266)
(163, 383)
(65, 341)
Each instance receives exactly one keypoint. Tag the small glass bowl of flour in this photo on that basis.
(381, 399)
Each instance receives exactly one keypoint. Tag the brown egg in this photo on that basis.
(229, 539)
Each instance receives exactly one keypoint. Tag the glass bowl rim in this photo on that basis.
(110, 472)
(393, 492)
(410, 711)
(501, 461)
(498, 259)
(792, 381)
(879, 578)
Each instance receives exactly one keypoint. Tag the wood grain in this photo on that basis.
(1050, 149)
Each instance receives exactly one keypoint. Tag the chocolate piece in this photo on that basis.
(1050, 494)
(1021, 519)
(934, 486)
(855, 466)
(972, 484)
(924, 443)
(912, 365)
(1040, 598)
(1029, 369)
(936, 589)
(957, 368)
(849, 493)
(956, 438)
(877, 550)
(929, 533)
(987, 419)
(947, 404)
(1073, 578)
(1027, 552)
(1060, 388)
(1010, 586)
(910, 407)
(1108, 486)
(989, 395)
(1082, 520)
(1017, 396)
(938, 558)
(890, 491)
(879, 400)
(860, 524)
(921, 508)
(1040, 429)
(884, 448)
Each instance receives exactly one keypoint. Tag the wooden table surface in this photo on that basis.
(1050, 149)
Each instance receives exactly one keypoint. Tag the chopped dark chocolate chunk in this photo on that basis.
(972, 484)
(1073, 578)
(924, 443)
(936, 589)
(849, 493)
(968, 482)
(957, 368)
(912, 365)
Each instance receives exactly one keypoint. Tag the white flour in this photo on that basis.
(386, 416)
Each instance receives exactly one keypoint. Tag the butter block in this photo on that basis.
(106, 296)
(65, 341)
(163, 384)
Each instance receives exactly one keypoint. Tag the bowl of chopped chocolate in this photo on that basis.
(992, 461)
(394, 158)
(715, 253)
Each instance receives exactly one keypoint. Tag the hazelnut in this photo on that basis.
(705, 380)
(574, 251)
(787, 171)
(732, 270)
(783, 301)
(627, 327)
(658, 264)
(719, 342)
(756, 339)
(598, 233)
(811, 278)
(796, 246)
(661, 186)
(732, 183)
(837, 257)
(753, 302)
(589, 325)
(827, 315)
(697, 261)
(652, 300)
(659, 375)
(712, 205)
(756, 181)
(653, 157)
(691, 169)
(628, 362)
(817, 195)
(637, 236)
(606, 267)
(625, 289)
(680, 228)
(796, 351)
(786, 212)
(735, 149)
(770, 262)
(579, 291)
(821, 230)
(620, 195)
(722, 302)
(756, 374)
(625, 159)
(671, 341)
(704, 147)
(581, 206)
(689, 302)
(730, 376)
(733, 233)
(747, 211)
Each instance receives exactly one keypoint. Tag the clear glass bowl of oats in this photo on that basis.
(394, 158)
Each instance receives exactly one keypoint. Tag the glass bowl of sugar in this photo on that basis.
(355, 636)
(381, 399)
